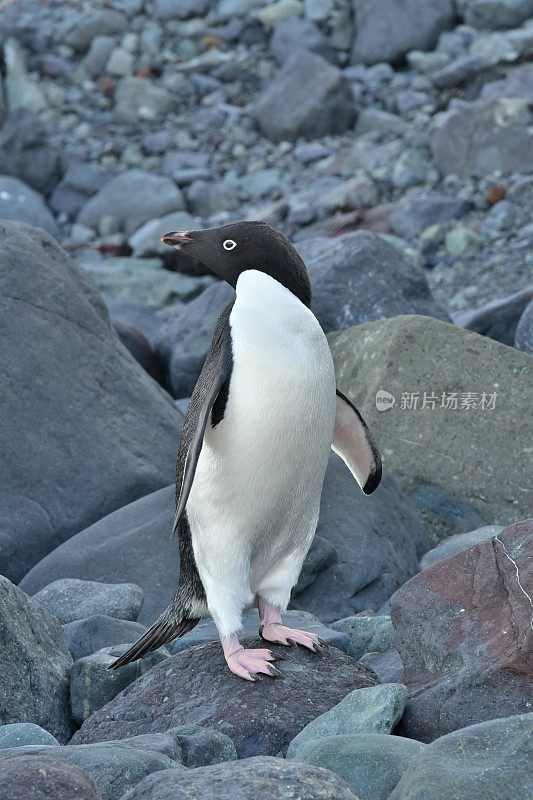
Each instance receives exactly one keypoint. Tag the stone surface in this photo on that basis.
(412, 355)
(44, 778)
(94, 423)
(20, 203)
(25, 152)
(137, 98)
(366, 634)
(498, 319)
(374, 278)
(495, 14)
(104, 21)
(524, 331)
(112, 767)
(418, 210)
(374, 710)
(140, 348)
(132, 198)
(19, 734)
(80, 182)
(34, 665)
(387, 666)
(70, 599)
(190, 745)
(284, 112)
(297, 32)
(458, 544)
(463, 629)
(88, 635)
(491, 759)
(262, 717)
(370, 763)
(249, 779)
(386, 31)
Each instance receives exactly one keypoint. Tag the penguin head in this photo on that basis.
(230, 250)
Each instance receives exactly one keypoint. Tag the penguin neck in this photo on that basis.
(261, 291)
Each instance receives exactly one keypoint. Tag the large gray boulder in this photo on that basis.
(476, 391)
(26, 153)
(373, 278)
(88, 430)
(497, 14)
(43, 778)
(86, 636)
(70, 599)
(458, 544)
(20, 203)
(387, 30)
(20, 734)
(261, 718)
(308, 98)
(34, 665)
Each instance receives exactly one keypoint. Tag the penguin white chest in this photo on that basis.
(261, 469)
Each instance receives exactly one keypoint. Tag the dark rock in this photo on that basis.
(524, 331)
(112, 767)
(99, 22)
(249, 779)
(21, 204)
(179, 9)
(93, 423)
(182, 342)
(80, 182)
(20, 734)
(444, 513)
(147, 320)
(489, 759)
(34, 665)
(370, 763)
(417, 210)
(374, 278)
(366, 634)
(495, 14)
(70, 599)
(499, 318)
(387, 666)
(297, 32)
(386, 31)
(25, 152)
(463, 629)
(377, 709)
(196, 684)
(458, 544)
(140, 348)
(93, 684)
(190, 745)
(285, 112)
(460, 71)
(44, 778)
(88, 635)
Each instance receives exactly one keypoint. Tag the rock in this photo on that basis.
(462, 375)
(389, 30)
(70, 599)
(146, 241)
(190, 745)
(524, 330)
(375, 119)
(499, 318)
(44, 778)
(111, 767)
(81, 181)
(374, 710)
(462, 240)
(458, 544)
(462, 628)
(146, 320)
(248, 779)
(484, 137)
(20, 203)
(491, 758)
(179, 9)
(19, 734)
(387, 666)
(182, 341)
(411, 168)
(93, 684)
(196, 684)
(34, 665)
(461, 71)
(140, 348)
(133, 197)
(88, 635)
(207, 198)
(285, 112)
(99, 22)
(120, 62)
(133, 544)
(296, 32)
(370, 763)
(94, 424)
(98, 55)
(20, 89)
(138, 98)
(374, 278)
(495, 14)
(366, 634)
(419, 209)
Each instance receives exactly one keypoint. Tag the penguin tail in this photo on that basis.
(164, 630)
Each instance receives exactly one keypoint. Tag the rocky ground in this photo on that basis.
(392, 142)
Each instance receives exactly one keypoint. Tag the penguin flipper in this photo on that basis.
(211, 386)
(354, 444)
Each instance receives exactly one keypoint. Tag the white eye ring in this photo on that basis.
(229, 244)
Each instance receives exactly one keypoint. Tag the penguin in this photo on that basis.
(261, 422)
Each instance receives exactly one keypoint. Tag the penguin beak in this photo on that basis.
(176, 238)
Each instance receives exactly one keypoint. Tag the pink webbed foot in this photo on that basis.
(277, 633)
(249, 664)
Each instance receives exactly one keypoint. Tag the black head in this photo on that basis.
(231, 249)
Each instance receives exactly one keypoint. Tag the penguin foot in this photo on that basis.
(249, 664)
(277, 633)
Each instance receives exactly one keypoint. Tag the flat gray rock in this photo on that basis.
(458, 544)
(20, 203)
(70, 599)
(88, 635)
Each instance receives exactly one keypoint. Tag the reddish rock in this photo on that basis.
(464, 631)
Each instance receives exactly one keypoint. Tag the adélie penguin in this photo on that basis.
(255, 442)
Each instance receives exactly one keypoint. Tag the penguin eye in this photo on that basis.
(229, 244)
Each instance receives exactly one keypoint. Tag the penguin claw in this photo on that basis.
(275, 672)
(292, 643)
(323, 643)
